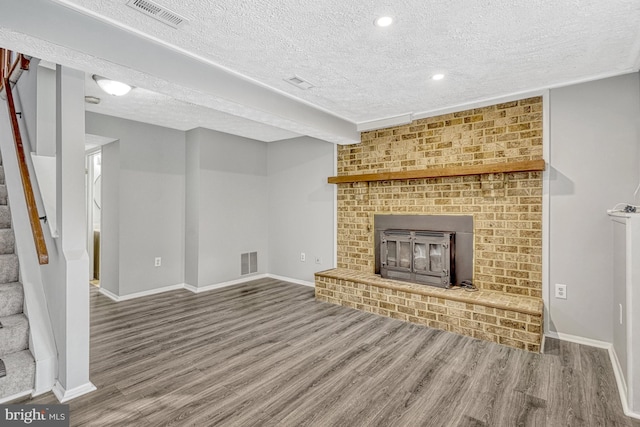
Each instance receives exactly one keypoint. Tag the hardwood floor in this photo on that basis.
(266, 353)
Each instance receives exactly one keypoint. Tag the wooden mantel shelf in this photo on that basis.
(523, 166)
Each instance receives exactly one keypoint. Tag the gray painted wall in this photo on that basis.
(150, 197)
(594, 164)
(232, 204)
(110, 219)
(301, 207)
(202, 198)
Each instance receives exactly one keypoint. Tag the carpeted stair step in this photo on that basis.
(8, 268)
(14, 334)
(5, 217)
(11, 299)
(20, 373)
(3, 194)
(7, 241)
(2, 175)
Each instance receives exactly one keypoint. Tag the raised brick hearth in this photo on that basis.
(512, 320)
(507, 221)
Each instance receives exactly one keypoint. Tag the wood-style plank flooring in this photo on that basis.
(266, 353)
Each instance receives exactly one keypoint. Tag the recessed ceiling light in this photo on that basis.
(112, 87)
(437, 77)
(383, 21)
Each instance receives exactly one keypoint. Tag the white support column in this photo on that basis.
(45, 144)
(73, 327)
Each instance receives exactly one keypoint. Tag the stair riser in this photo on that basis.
(8, 268)
(11, 299)
(5, 217)
(14, 336)
(7, 241)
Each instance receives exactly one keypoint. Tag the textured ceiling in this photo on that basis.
(486, 48)
(162, 110)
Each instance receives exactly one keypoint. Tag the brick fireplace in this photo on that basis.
(507, 221)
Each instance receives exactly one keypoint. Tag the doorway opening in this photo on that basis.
(94, 212)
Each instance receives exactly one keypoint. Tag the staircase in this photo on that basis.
(17, 366)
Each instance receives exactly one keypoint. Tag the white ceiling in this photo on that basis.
(487, 49)
(162, 110)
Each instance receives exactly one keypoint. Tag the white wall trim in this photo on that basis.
(199, 289)
(517, 95)
(622, 385)
(480, 103)
(617, 372)
(546, 210)
(385, 122)
(579, 340)
(15, 396)
(45, 375)
(335, 208)
(118, 298)
(290, 280)
(615, 364)
(66, 395)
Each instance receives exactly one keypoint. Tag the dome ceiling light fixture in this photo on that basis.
(383, 21)
(437, 77)
(112, 87)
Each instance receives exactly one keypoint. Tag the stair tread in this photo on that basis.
(20, 373)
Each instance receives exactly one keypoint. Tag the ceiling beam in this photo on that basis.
(220, 88)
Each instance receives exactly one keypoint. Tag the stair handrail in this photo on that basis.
(34, 218)
(7, 67)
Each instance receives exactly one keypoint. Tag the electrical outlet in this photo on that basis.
(318, 260)
(158, 262)
(561, 291)
(303, 257)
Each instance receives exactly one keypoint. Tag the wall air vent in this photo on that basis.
(248, 263)
(158, 12)
(299, 82)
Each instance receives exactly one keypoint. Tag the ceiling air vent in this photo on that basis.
(299, 82)
(158, 12)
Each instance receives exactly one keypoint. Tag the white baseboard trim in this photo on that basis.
(197, 290)
(615, 365)
(290, 280)
(119, 298)
(66, 395)
(109, 294)
(579, 340)
(15, 396)
(621, 383)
